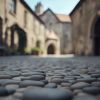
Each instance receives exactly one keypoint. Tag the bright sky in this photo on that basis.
(58, 6)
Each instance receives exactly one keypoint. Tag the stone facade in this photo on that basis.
(22, 28)
(60, 24)
(86, 27)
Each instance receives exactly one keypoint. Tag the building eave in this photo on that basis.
(51, 12)
(76, 7)
(31, 11)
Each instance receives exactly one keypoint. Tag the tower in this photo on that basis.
(39, 8)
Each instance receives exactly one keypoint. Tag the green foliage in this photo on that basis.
(26, 51)
(36, 51)
(12, 51)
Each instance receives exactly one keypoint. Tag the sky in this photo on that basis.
(57, 6)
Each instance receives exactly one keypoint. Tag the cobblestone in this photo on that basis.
(79, 76)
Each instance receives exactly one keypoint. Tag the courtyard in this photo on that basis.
(77, 77)
(37, 48)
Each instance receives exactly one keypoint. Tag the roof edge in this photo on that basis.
(48, 9)
(77, 6)
(32, 12)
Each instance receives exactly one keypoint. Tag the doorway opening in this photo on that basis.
(97, 38)
(51, 49)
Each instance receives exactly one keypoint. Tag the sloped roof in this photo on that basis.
(31, 11)
(63, 18)
(51, 35)
(77, 6)
(51, 12)
(60, 17)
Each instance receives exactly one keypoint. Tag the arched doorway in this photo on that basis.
(2, 48)
(1, 21)
(18, 37)
(96, 37)
(51, 49)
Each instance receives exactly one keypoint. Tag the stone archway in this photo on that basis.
(1, 22)
(2, 48)
(18, 37)
(51, 49)
(96, 37)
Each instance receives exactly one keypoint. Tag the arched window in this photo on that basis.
(38, 43)
(12, 6)
(25, 19)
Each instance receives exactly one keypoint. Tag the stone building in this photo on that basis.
(60, 24)
(22, 30)
(86, 27)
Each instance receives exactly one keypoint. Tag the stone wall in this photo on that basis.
(83, 20)
(52, 39)
(62, 29)
(67, 37)
(25, 21)
(18, 18)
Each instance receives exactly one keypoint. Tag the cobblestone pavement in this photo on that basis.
(33, 78)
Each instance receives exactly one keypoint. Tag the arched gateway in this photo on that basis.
(51, 49)
(22, 40)
(20, 35)
(96, 37)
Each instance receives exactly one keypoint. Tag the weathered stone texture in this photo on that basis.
(61, 28)
(83, 21)
(23, 19)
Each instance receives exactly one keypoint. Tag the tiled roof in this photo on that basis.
(60, 17)
(63, 18)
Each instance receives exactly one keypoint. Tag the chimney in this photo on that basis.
(39, 8)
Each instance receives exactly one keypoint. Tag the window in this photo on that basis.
(65, 40)
(0, 25)
(38, 44)
(12, 6)
(25, 18)
(33, 24)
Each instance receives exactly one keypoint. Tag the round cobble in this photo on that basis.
(47, 94)
(27, 77)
